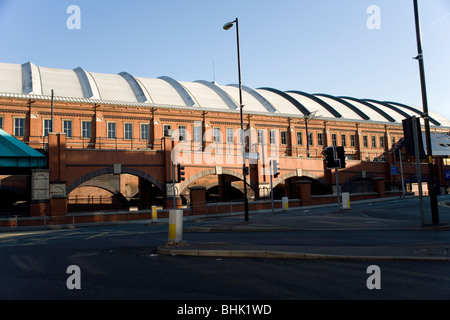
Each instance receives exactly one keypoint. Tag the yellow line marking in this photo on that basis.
(96, 235)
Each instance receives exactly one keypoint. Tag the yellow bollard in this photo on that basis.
(154, 214)
(285, 203)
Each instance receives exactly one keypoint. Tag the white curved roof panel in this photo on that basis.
(113, 87)
(65, 83)
(205, 96)
(311, 105)
(161, 92)
(374, 116)
(397, 116)
(250, 102)
(10, 77)
(26, 80)
(345, 111)
(443, 121)
(281, 104)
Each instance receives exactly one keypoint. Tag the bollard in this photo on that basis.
(285, 203)
(345, 200)
(175, 226)
(154, 214)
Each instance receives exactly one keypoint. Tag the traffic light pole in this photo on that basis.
(418, 168)
(432, 188)
(337, 189)
(173, 184)
(271, 184)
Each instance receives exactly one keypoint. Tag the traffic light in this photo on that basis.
(408, 128)
(330, 159)
(276, 169)
(180, 172)
(340, 153)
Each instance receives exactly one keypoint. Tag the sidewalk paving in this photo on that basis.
(301, 220)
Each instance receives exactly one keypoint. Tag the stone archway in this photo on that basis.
(192, 179)
(110, 170)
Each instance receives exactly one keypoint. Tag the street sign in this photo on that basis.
(394, 170)
(447, 174)
(252, 155)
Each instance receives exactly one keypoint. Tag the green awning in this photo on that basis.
(15, 153)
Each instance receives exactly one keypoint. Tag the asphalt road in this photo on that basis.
(120, 262)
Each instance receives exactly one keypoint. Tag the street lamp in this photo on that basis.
(432, 188)
(307, 118)
(228, 26)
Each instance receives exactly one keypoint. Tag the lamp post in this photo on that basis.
(432, 188)
(227, 26)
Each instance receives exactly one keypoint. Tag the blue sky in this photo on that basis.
(321, 46)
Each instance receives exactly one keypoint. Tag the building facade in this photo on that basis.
(143, 126)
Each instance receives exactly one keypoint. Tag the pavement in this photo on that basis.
(308, 219)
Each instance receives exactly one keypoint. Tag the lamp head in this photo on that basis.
(228, 25)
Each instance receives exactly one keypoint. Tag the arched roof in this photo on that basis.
(25, 80)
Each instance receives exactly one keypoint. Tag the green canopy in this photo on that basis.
(15, 153)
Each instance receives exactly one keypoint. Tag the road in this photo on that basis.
(120, 262)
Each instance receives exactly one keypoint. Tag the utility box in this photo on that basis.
(345, 200)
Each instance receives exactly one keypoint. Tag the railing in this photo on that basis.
(40, 142)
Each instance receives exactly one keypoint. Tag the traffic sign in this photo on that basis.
(394, 170)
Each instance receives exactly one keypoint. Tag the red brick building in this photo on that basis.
(114, 138)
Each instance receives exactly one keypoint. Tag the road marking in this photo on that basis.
(365, 215)
(96, 235)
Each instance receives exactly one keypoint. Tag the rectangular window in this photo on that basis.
(166, 130)
(111, 130)
(273, 136)
(182, 133)
(47, 127)
(283, 137)
(310, 139)
(352, 140)
(197, 134)
(365, 141)
(67, 128)
(216, 135)
(343, 140)
(128, 131)
(260, 136)
(144, 131)
(374, 141)
(299, 138)
(19, 127)
(393, 141)
(86, 129)
(1, 122)
(334, 139)
(319, 139)
(230, 135)
(382, 142)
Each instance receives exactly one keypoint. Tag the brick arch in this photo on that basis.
(358, 176)
(188, 182)
(293, 174)
(355, 177)
(109, 170)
